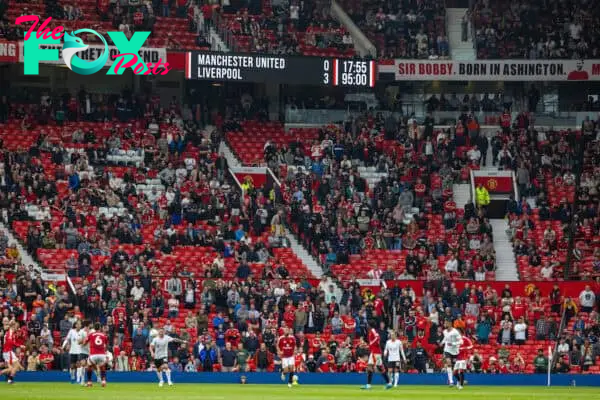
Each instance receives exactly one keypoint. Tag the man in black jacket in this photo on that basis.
(221, 165)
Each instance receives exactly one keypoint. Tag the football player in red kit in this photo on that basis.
(8, 354)
(375, 359)
(286, 346)
(98, 343)
(460, 366)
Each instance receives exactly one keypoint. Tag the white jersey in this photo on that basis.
(74, 338)
(161, 346)
(85, 348)
(452, 340)
(393, 349)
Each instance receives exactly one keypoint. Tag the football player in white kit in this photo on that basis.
(72, 343)
(159, 349)
(452, 341)
(393, 350)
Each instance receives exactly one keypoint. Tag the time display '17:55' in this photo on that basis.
(354, 67)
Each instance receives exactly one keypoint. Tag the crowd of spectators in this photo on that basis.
(104, 15)
(406, 29)
(234, 325)
(337, 215)
(535, 30)
(546, 164)
(232, 320)
(473, 102)
(295, 27)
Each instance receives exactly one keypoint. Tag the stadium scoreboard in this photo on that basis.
(292, 70)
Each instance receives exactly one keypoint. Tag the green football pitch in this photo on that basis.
(147, 391)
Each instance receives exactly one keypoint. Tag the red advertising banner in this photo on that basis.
(495, 184)
(9, 51)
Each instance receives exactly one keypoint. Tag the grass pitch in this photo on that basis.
(125, 391)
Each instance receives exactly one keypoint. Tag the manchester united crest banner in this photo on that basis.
(496, 184)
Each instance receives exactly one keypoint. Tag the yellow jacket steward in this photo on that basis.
(483, 196)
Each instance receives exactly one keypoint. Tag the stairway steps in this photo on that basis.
(459, 50)
(506, 266)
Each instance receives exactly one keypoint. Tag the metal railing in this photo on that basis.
(226, 35)
(552, 360)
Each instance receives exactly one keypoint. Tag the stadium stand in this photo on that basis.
(305, 28)
(409, 29)
(116, 228)
(535, 30)
(355, 224)
(538, 232)
(104, 16)
(132, 200)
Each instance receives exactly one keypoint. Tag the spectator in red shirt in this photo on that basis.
(46, 358)
(326, 362)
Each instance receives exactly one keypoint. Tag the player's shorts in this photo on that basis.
(98, 359)
(288, 362)
(394, 364)
(460, 365)
(159, 362)
(451, 357)
(375, 359)
(9, 357)
(75, 358)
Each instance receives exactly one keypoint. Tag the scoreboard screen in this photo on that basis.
(291, 70)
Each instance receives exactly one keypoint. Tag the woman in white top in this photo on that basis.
(452, 264)
(434, 316)
(547, 271)
(563, 347)
(520, 330)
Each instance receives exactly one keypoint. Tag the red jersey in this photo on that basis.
(46, 358)
(138, 18)
(374, 345)
(98, 342)
(298, 361)
(115, 314)
(329, 364)
(233, 336)
(315, 344)
(465, 349)
(518, 311)
(289, 317)
(9, 341)
(349, 324)
(361, 365)
(286, 345)
(378, 306)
